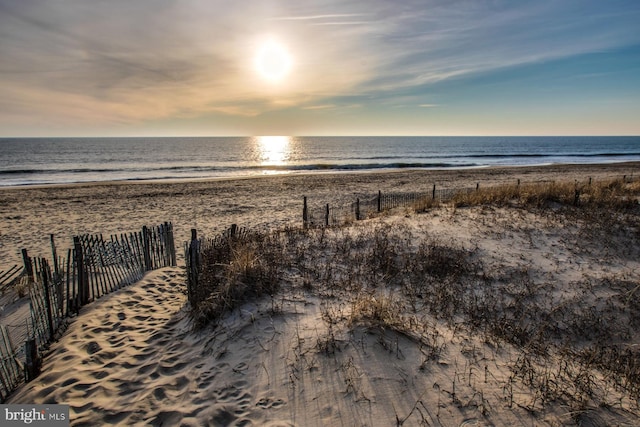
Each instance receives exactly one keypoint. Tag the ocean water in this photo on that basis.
(32, 161)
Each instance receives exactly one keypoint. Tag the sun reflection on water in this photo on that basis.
(274, 150)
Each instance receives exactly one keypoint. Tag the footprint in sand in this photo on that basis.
(240, 368)
(98, 375)
(93, 347)
(205, 380)
(224, 417)
(159, 394)
(69, 382)
(146, 369)
(267, 403)
(168, 418)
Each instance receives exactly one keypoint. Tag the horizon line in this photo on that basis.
(329, 136)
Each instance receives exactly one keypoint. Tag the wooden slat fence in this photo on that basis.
(327, 215)
(94, 267)
(101, 266)
(48, 311)
(10, 367)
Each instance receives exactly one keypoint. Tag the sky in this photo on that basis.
(328, 67)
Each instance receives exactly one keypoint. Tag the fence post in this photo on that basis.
(379, 201)
(28, 265)
(83, 282)
(32, 368)
(44, 275)
(192, 274)
(305, 214)
(477, 186)
(358, 209)
(172, 245)
(326, 216)
(234, 230)
(56, 268)
(146, 247)
(170, 250)
(433, 194)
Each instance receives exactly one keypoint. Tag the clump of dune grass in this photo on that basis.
(380, 310)
(235, 271)
(331, 262)
(617, 193)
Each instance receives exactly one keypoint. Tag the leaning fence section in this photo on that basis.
(93, 267)
(11, 369)
(102, 265)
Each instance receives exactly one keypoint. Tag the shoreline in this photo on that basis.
(29, 215)
(453, 169)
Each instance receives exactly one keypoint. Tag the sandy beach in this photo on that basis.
(317, 354)
(29, 215)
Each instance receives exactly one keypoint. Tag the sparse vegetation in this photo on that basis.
(576, 341)
(614, 194)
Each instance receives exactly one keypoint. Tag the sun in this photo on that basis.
(273, 62)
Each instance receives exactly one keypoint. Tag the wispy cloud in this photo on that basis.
(318, 17)
(118, 62)
(343, 23)
(428, 45)
(319, 107)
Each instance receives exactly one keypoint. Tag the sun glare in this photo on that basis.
(273, 62)
(274, 150)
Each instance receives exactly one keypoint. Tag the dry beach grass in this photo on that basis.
(548, 341)
(508, 306)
